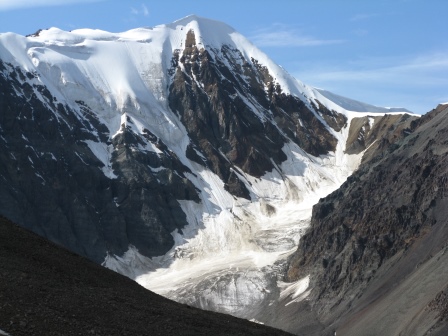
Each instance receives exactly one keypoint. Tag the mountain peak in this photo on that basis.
(202, 22)
(209, 32)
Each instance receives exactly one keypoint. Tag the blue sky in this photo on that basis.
(382, 52)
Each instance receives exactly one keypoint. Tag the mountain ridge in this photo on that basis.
(173, 156)
(354, 105)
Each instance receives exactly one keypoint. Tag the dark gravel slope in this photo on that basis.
(46, 290)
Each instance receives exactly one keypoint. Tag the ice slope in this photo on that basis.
(232, 259)
(355, 105)
(231, 254)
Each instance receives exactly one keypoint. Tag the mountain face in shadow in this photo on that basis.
(375, 251)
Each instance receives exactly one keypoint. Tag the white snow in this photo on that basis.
(103, 153)
(131, 263)
(4, 333)
(234, 234)
(256, 321)
(156, 170)
(40, 176)
(233, 240)
(296, 291)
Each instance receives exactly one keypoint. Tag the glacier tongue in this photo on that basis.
(231, 257)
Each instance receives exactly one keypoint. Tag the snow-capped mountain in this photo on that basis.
(179, 155)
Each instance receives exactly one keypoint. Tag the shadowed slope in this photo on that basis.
(376, 249)
(46, 290)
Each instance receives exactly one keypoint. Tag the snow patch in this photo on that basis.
(103, 153)
(255, 321)
(132, 263)
(40, 176)
(157, 170)
(296, 291)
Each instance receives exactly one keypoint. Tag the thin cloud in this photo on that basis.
(416, 83)
(429, 69)
(362, 17)
(281, 36)
(142, 11)
(145, 10)
(6, 5)
(361, 32)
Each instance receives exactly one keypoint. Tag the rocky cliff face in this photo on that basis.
(236, 115)
(375, 251)
(54, 182)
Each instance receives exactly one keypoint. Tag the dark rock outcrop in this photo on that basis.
(376, 247)
(237, 115)
(375, 133)
(53, 184)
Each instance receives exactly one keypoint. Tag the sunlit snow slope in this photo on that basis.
(230, 257)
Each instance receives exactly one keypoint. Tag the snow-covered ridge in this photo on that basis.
(142, 56)
(354, 105)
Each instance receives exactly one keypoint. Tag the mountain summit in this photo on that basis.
(179, 155)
